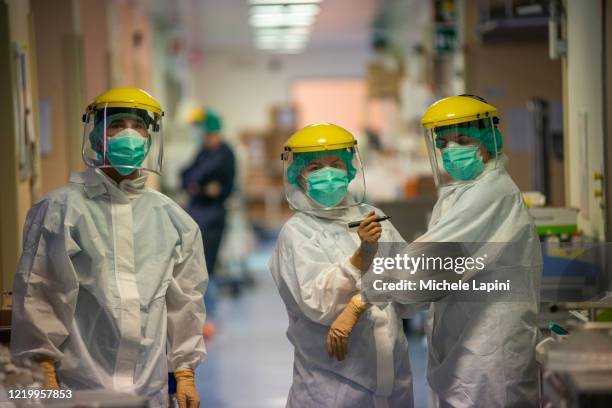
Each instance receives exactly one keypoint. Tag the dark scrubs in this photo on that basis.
(210, 165)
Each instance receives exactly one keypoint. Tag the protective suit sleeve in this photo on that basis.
(476, 218)
(46, 286)
(185, 303)
(317, 286)
(404, 311)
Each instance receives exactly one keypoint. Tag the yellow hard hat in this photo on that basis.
(195, 115)
(457, 109)
(126, 98)
(320, 137)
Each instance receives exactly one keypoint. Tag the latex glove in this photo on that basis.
(186, 394)
(337, 338)
(47, 365)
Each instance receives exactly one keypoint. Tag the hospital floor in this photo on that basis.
(249, 361)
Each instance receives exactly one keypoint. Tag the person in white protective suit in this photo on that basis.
(481, 351)
(317, 265)
(109, 289)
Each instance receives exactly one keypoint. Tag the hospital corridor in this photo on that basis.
(306, 203)
(249, 321)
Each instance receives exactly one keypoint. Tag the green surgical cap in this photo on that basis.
(482, 134)
(211, 123)
(301, 160)
(95, 137)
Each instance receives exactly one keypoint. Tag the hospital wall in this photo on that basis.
(585, 113)
(101, 44)
(608, 116)
(15, 193)
(58, 48)
(262, 81)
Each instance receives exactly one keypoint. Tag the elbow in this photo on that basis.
(319, 316)
(323, 308)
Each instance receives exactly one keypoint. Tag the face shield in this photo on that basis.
(324, 180)
(126, 139)
(460, 152)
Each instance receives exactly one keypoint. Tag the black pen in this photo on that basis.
(357, 223)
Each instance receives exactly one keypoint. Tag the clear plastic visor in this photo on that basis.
(461, 152)
(324, 180)
(126, 139)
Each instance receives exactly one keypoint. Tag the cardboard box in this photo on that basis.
(382, 82)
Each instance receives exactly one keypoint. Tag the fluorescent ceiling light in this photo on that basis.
(272, 47)
(296, 9)
(267, 18)
(283, 31)
(292, 36)
(282, 26)
(283, 50)
(280, 20)
(281, 41)
(259, 2)
(265, 46)
(280, 47)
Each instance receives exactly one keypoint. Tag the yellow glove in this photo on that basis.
(337, 338)
(47, 365)
(186, 393)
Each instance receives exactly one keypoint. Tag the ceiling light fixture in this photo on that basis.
(305, 30)
(301, 9)
(282, 26)
(267, 2)
(281, 20)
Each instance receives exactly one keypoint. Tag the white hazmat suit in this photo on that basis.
(110, 285)
(316, 280)
(482, 353)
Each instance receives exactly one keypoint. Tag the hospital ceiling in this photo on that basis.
(339, 24)
(223, 24)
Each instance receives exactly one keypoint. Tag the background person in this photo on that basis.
(209, 181)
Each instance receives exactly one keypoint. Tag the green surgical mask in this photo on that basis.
(462, 162)
(327, 186)
(127, 148)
